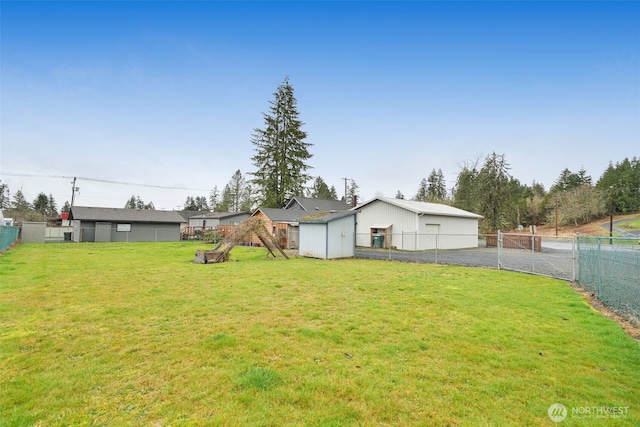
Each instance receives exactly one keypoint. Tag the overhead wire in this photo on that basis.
(106, 181)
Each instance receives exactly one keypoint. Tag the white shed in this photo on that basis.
(327, 235)
(410, 225)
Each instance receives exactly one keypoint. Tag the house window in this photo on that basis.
(123, 227)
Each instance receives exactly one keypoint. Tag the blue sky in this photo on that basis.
(167, 94)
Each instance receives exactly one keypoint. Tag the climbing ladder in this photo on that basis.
(251, 226)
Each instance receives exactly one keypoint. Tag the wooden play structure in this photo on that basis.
(248, 228)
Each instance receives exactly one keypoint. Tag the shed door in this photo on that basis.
(103, 231)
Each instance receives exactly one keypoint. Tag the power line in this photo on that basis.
(106, 181)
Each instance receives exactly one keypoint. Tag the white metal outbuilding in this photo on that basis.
(327, 235)
(410, 225)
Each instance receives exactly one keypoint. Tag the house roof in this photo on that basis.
(423, 208)
(317, 205)
(281, 215)
(219, 215)
(324, 217)
(84, 213)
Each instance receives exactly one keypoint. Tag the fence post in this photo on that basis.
(601, 269)
(574, 242)
(533, 253)
(499, 250)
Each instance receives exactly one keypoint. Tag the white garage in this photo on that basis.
(409, 225)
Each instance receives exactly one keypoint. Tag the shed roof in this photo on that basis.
(423, 208)
(84, 213)
(324, 217)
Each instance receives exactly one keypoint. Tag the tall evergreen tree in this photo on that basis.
(237, 192)
(399, 195)
(465, 191)
(422, 195)
(5, 196)
(622, 183)
(214, 199)
(135, 202)
(320, 190)
(436, 186)
(281, 153)
(52, 207)
(41, 204)
(190, 204)
(352, 193)
(333, 194)
(493, 191)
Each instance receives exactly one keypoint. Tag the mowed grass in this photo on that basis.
(136, 334)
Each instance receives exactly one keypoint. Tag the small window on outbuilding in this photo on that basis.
(123, 227)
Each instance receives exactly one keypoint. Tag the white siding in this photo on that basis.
(313, 240)
(413, 231)
(341, 238)
(334, 239)
(379, 212)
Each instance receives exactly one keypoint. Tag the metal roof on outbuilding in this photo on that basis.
(324, 217)
(84, 213)
(423, 207)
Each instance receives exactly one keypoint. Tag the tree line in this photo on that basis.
(281, 160)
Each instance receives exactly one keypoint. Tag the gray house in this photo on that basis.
(213, 219)
(311, 205)
(124, 225)
(328, 235)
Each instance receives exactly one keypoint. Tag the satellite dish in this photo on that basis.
(520, 227)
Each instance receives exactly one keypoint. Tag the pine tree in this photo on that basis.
(214, 199)
(41, 203)
(399, 195)
(436, 187)
(237, 192)
(5, 196)
(493, 191)
(333, 194)
(190, 204)
(52, 207)
(465, 194)
(422, 195)
(281, 151)
(320, 190)
(352, 193)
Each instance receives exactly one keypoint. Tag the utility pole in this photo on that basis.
(556, 215)
(345, 189)
(73, 190)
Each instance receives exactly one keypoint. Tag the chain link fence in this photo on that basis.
(609, 267)
(534, 254)
(8, 235)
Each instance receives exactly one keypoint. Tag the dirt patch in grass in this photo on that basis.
(630, 325)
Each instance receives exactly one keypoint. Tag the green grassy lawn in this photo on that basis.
(631, 225)
(136, 334)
